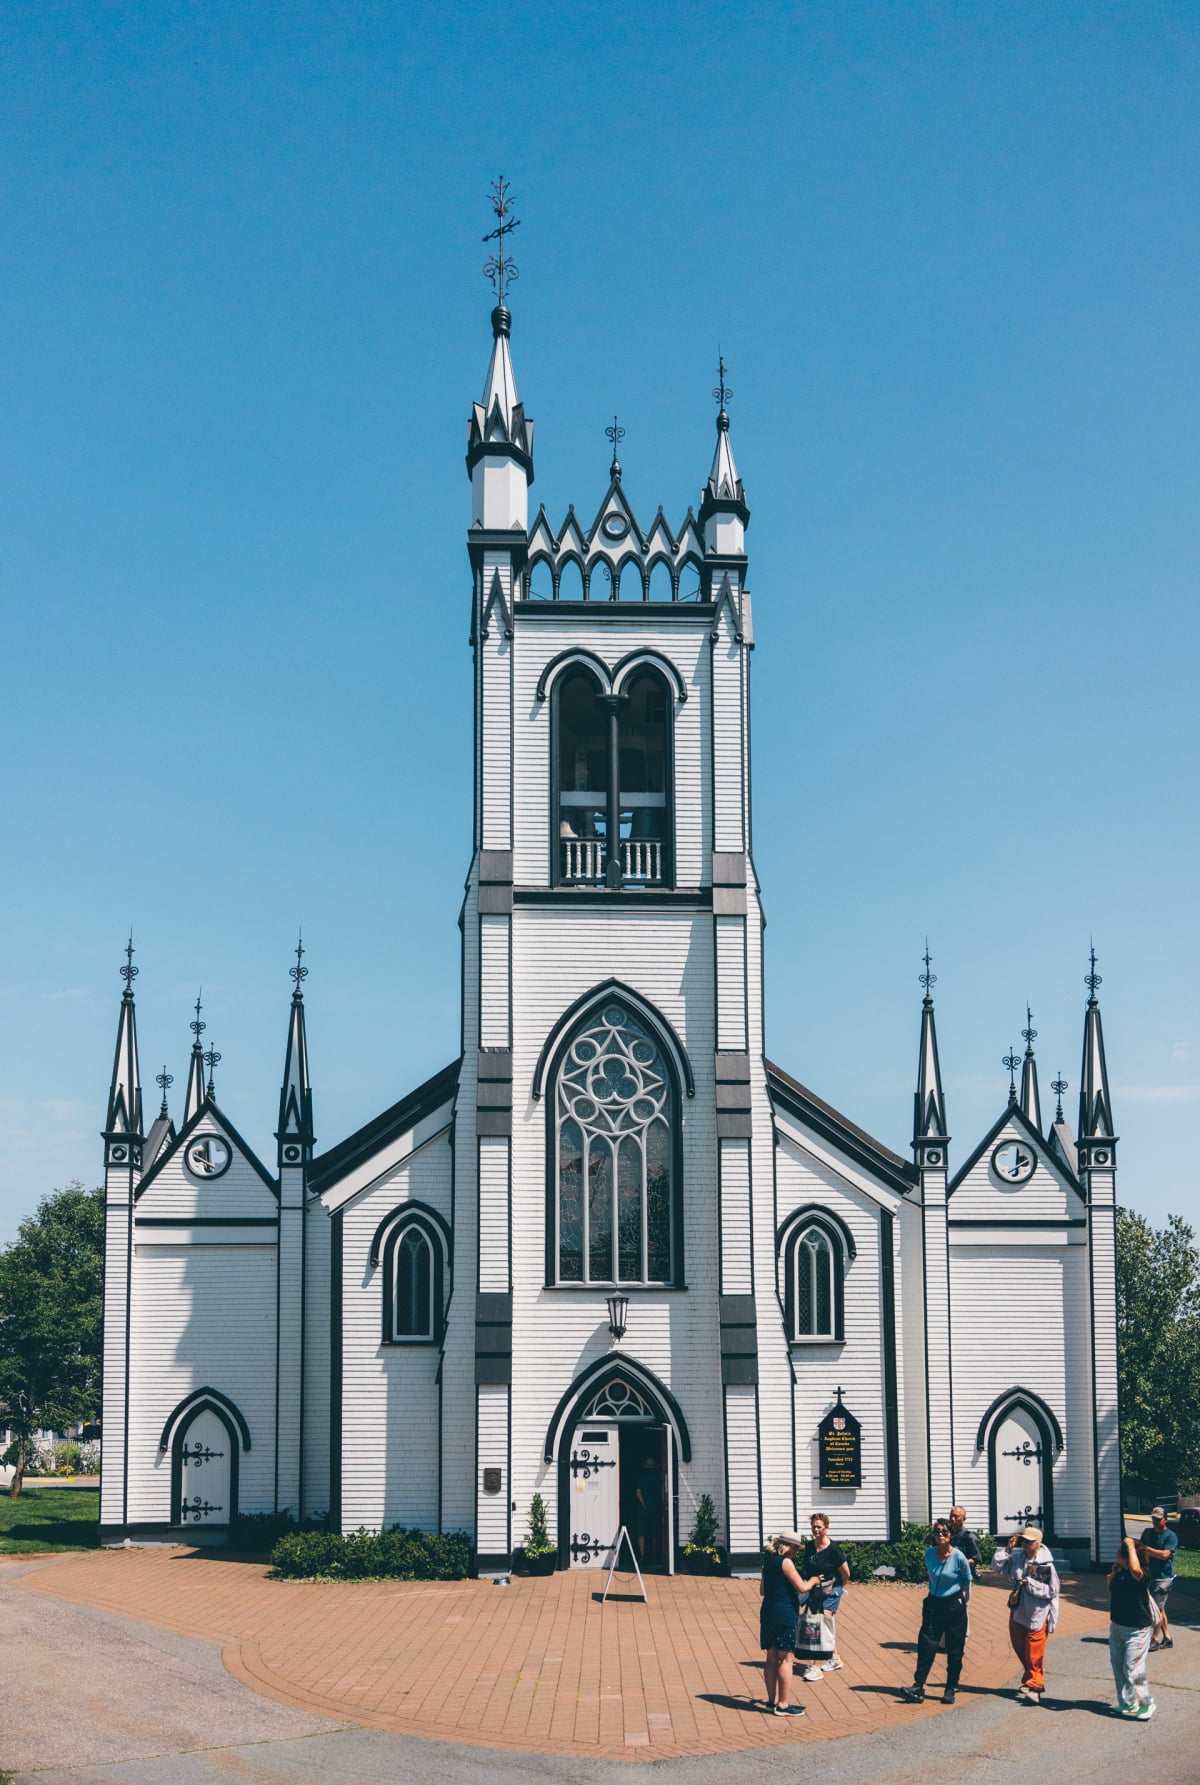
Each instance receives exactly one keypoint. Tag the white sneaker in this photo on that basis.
(812, 1676)
(834, 1666)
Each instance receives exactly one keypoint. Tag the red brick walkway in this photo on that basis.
(540, 1665)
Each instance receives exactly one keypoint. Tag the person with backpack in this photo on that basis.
(1133, 1616)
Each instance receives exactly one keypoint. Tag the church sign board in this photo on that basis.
(839, 1440)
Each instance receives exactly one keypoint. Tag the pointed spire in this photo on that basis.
(195, 1083)
(1010, 1062)
(295, 1131)
(723, 515)
(499, 433)
(1095, 1107)
(929, 1117)
(164, 1080)
(125, 1092)
(1031, 1103)
(1058, 1086)
(500, 386)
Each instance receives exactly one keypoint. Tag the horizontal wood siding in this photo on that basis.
(494, 996)
(1044, 1197)
(737, 1277)
(117, 1262)
(731, 983)
(316, 1360)
(496, 760)
(729, 811)
(741, 1437)
(493, 1213)
(492, 1522)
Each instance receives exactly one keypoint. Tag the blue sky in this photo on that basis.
(950, 253)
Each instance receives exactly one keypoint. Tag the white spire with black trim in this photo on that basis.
(499, 433)
(196, 1093)
(124, 1119)
(1031, 1103)
(929, 1104)
(724, 514)
(295, 1131)
(1095, 1106)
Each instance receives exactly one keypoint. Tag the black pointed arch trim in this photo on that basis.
(614, 988)
(1019, 1397)
(595, 1377)
(190, 1403)
(587, 660)
(635, 660)
(414, 1210)
(208, 1107)
(813, 1212)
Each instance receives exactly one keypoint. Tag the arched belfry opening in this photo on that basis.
(618, 1437)
(612, 807)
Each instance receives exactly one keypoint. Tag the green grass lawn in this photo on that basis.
(49, 1518)
(1187, 1561)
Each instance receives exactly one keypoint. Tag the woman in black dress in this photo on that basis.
(780, 1590)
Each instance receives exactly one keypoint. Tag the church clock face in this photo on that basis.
(208, 1156)
(1013, 1162)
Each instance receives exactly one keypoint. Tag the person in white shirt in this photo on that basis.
(1032, 1606)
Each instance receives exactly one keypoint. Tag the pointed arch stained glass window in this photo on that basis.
(414, 1285)
(814, 1285)
(614, 1135)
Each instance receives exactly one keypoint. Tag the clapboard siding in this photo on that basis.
(493, 1213)
(1044, 1197)
(492, 1527)
(496, 735)
(737, 1276)
(117, 1264)
(203, 1317)
(537, 644)
(728, 670)
(238, 1192)
(390, 1439)
(731, 983)
(316, 1360)
(741, 1438)
(494, 935)
(1020, 1319)
(910, 1290)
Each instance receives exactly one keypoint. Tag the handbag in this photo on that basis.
(1014, 1599)
(814, 1633)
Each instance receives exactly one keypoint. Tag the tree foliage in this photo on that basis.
(51, 1319)
(1158, 1338)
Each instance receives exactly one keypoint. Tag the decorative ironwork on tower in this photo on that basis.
(499, 267)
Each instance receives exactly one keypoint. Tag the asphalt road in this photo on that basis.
(92, 1699)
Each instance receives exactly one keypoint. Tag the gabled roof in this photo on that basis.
(836, 1128)
(208, 1108)
(1015, 1116)
(368, 1140)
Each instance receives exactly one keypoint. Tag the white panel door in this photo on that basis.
(207, 1472)
(595, 1492)
(1019, 1464)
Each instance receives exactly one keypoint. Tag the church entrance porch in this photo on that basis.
(618, 1456)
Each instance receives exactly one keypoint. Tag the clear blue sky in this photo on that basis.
(950, 253)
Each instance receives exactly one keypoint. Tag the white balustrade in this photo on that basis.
(641, 860)
(583, 859)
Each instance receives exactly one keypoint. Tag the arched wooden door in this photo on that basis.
(205, 1469)
(1019, 1465)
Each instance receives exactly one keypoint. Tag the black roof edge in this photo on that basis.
(1013, 1112)
(367, 1140)
(862, 1147)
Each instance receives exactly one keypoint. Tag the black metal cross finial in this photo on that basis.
(298, 972)
(129, 972)
(929, 978)
(212, 1060)
(164, 1081)
(197, 1027)
(616, 434)
(1029, 1033)
(1058, 1086)
(721, 391)
(1092, 979)
(1011, 1061)
(498, 267)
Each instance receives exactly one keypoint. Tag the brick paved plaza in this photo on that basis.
(541, 1665)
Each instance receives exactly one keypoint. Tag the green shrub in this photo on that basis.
(538, 1541)
(394, 1554)
(906, 1555)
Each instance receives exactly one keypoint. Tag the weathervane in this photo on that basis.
(721, 391)
(1092, 979)
(129, 972)
(616, 434)
(212, 1060)
(298, 972)
(498, 267)
(197, 1027)
(1058, 1086)
(929, 978)
(1011, 1061)
(1029, 1033)
(164, 1081)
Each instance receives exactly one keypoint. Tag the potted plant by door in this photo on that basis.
(701, 1554)
(541, 1557)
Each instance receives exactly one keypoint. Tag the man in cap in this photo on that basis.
(1159, 1546)
(965, 1540)
(1033, 1606)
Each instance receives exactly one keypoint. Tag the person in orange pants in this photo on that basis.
(1033, 1606)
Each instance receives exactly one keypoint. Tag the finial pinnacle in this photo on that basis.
(722, 393)
(299, 973)
(129, 972)
(197, 1027)
(1058, 1086)
(1028, 1033)
(1010, 1062)
(929, 978)
(615, 434)
(164, 1081)
(212, 1060)
(498, 267)
(1092, 979)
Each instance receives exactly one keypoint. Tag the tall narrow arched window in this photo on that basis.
(581, 794)
(645, 757)
(412, 1267)
(813, 1253)
(615, 1154)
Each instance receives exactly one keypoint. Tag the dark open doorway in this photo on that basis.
(644, 1468)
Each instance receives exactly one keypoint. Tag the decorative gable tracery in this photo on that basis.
(604, 552)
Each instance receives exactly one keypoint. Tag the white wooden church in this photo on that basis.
(611, 1230)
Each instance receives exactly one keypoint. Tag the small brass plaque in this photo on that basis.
(491, 1481)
